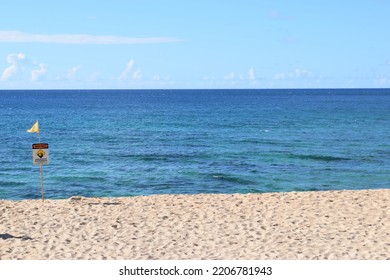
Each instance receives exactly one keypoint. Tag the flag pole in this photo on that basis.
(42, 187)
(41, 171)
(35, 128)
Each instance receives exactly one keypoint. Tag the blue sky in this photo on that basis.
(176, 44)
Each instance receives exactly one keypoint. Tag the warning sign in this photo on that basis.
(40, 153)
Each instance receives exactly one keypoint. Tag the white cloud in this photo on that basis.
(295, 74)
(233, 76)
(17, 64)
(298, 73)
(22, 68)
(72, 72)
(125, 74)
(93, 77)
(137, 75)
(7, 36)
(251, 73)
(37, 74)
(382, 82)
(14, 58)
(129, 73)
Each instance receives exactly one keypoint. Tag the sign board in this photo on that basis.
(40, 153)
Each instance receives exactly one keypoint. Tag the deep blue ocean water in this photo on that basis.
(143, 142)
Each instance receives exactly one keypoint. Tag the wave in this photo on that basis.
(231, 179)
(318, 157)
(12, 184)
(80, 179)
(168, 157)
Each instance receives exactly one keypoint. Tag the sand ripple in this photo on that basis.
(296, 225)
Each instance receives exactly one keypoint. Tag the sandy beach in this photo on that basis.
(297, 225)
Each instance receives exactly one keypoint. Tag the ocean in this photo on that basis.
(144, 142)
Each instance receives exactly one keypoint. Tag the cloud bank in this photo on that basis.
(7, 36)
(129, 73)
(22, 67)
(37, 74)
(16, 64)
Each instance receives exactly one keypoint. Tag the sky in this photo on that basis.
(197, 44)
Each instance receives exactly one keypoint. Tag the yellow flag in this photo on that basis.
(34, 128)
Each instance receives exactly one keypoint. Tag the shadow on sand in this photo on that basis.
(6, 236)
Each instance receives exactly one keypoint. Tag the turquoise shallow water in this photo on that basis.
(139, 142)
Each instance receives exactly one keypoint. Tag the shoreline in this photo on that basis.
(82, 197)
(348, 224)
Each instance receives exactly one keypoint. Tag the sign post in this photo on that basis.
(41, 157)
(40, 154)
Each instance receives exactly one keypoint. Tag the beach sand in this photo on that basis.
(290, 226)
